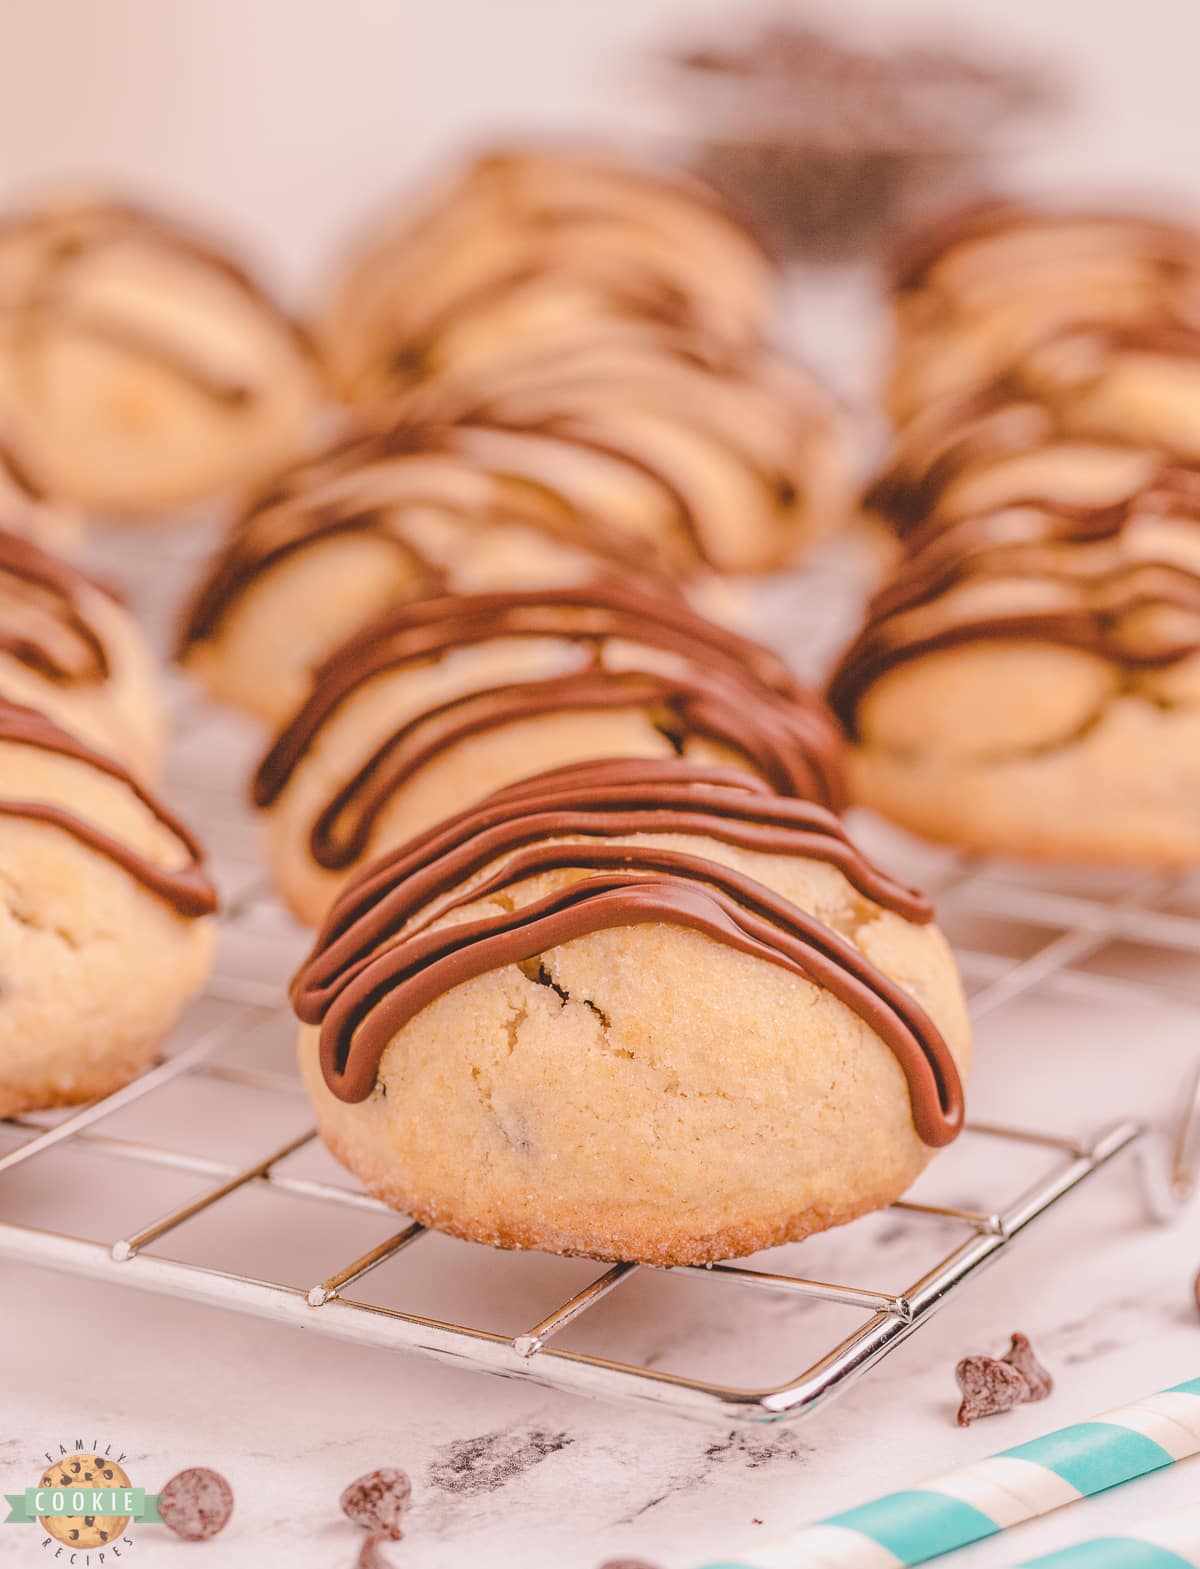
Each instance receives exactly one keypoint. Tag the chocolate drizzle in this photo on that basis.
(731, 690)
(1102, 594)
(70, 238)
(1169, 248)
(323, 497)
(187, 890)
(47, 629)
(381, 958)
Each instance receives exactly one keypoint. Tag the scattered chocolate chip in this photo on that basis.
(378, 1501)
(1020, 1355)
(626, 1563)
(1196, 1291)
(196, 1504)
(371, 1556)
(990, 1385)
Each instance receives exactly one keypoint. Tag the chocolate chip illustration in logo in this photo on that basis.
(86, 1470)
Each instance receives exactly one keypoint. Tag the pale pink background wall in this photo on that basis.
(287, 118)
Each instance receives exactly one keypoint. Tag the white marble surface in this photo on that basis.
(506, 1473)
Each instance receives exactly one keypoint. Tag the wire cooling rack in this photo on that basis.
(204, 1178)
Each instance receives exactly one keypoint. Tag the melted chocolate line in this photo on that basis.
(379, 961)
(115, 225)
(916, 260)
(187, 890)
(56, 589)
(248, 554)
(868, 661)
(959, 554)
(700, 711)
(743, 693)
(381, 1001)
(721, 804)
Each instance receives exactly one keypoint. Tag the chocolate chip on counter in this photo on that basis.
(196, 1504)
(371, 1556)
(1020, 1355)
(990, 1385)
(378, 1501)
(626, 1563)
(1196, 1291)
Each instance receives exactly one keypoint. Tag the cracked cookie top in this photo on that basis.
(626, 840)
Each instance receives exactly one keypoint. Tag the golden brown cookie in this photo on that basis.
(104, 932)
(70, 649)
(633, 1010)
(381, 518)
(1029, 682)
(534, 252)
(439, 702)
(978, 290)
(140, 368)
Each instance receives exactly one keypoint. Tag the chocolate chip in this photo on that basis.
(990, 1385)
(1020, 1355)
(196, 1504)
(626, 1563)
(378, 1501)
(371, 1556)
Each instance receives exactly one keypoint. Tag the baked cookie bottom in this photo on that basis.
(1124, 791)
(623, 1238)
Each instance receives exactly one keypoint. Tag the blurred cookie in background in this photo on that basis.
(141, 369)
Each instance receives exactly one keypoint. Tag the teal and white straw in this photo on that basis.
(1173, 1543)
(980, 1500)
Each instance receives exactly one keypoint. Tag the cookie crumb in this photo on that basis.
(378, 1501)
(196, 1504)
(990, 1385)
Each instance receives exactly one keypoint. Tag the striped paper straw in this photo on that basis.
(980, 1500)
(1173, 1543)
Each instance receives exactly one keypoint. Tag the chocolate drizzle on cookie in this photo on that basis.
(345, 491)
(43, 623)
(716, 685)
(186, 889)
(1137, 610)
(69, 239)
(1164, 247)
(382, 955)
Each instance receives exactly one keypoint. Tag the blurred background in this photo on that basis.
(285, 122)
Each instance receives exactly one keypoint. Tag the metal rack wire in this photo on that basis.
(227, 1043)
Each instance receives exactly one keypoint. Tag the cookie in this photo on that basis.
(68, 648)
(27, 510)
(384, 517)
(437, 703)
(1002, 446)
(755, 450)
(1029, 683)
(633, 1010)
(84, 1532)
(981, 288)
(543, 250)
(103, 918)
(140, 368)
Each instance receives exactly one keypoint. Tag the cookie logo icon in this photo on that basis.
(68, 1476)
